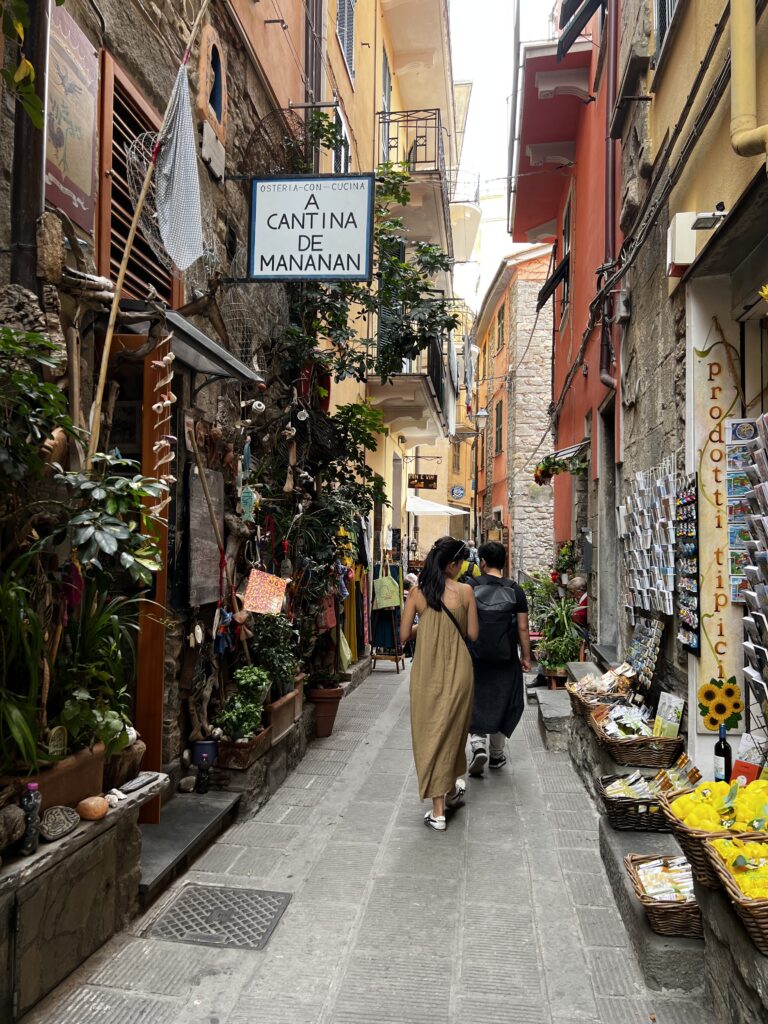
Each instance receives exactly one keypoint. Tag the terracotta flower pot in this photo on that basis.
(280, 714)
(326, 706)
(240, 754)
(70, 780)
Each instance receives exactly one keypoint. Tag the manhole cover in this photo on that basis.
(211, 915)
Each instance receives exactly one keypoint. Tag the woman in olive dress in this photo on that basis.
(441, 677)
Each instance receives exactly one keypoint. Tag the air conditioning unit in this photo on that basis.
(681, 244)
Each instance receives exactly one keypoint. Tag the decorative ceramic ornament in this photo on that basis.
(57, 742)
(58, 822)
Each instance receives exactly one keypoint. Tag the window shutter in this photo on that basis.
(349, 39)
(145, 271)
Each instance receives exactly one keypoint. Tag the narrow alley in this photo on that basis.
(506, 917)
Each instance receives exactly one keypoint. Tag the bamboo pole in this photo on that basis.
(93, 443)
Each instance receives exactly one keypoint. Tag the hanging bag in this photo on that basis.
(386, 592)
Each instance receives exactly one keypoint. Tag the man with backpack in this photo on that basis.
(499, 692)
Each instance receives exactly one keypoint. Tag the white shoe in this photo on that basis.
(438, 824)
(456, 798)
(478, 761)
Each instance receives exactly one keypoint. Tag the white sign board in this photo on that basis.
(312, 228)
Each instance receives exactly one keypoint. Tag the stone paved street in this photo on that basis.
(505, 919)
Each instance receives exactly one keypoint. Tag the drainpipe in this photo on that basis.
(28, 171)
(747, 138)
(606, 377)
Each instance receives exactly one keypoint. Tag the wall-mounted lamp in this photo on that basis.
(707, 221)
(481, 418)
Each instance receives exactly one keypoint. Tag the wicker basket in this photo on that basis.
(640, 751)
(680, 919)
(753, 913)
(583, 706)
(692, 843)
(630, 814)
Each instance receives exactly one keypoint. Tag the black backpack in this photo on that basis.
(497, 612)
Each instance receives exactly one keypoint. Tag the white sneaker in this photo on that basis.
(438, 824)
(456, 798)
(478, 761)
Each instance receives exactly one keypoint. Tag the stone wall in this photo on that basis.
(531, 507)
(653, 342)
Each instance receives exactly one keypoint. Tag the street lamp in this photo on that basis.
(481, 418)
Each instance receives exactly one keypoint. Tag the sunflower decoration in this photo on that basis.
(720, 703)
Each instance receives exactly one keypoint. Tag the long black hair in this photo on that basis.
(432, 576)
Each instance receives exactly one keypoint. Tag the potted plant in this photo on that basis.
(565, 560)
(244, 738)
(274, 647)
(324, 692)
(560, 642)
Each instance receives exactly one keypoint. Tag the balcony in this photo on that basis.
(413, 139)
(464, 195)
(413, 402)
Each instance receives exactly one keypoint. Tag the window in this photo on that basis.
(566, 251)
(500, 317)
(341, 160)
(485, 363)
(125, 115)
(456, 464)
(665, 9)
(345, 30)
(499, 426)
(482, 453)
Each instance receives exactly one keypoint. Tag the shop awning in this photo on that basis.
(422, 507)
(204, 355)
(573, 451)
(558, 275)
(580, 17)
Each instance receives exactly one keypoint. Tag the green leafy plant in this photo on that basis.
(22, 649)
(30, 408)
(90, 691)
(240, 717)
(20, 79)
(252, 682)
(540, 590)
(555, 652)
(113, 531)
(274, 648)
(567, 557)
(95, 718)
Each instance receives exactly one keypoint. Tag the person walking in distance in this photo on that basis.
(499, 698)
(441, 677)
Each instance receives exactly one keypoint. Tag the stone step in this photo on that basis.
(356, 674)
(554, 718)
(189, 824)
(578, 669)
(666, 962)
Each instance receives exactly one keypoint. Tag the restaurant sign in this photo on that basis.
(312, 228)
(422, 481)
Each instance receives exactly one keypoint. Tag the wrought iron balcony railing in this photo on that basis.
(464, 187)
(414, 139)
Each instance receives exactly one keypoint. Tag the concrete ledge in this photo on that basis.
(590, 758)
(578, 669)
(554, 718)
(666, 962)
(736, 974)
(356, 674)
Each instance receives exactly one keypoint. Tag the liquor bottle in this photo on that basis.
(723, 758)
(30, 804)
(203, 771)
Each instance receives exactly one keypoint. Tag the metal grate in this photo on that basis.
(211, 915)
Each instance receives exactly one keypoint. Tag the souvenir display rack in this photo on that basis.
(755, 589)
(687, 566)
(646, 524)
